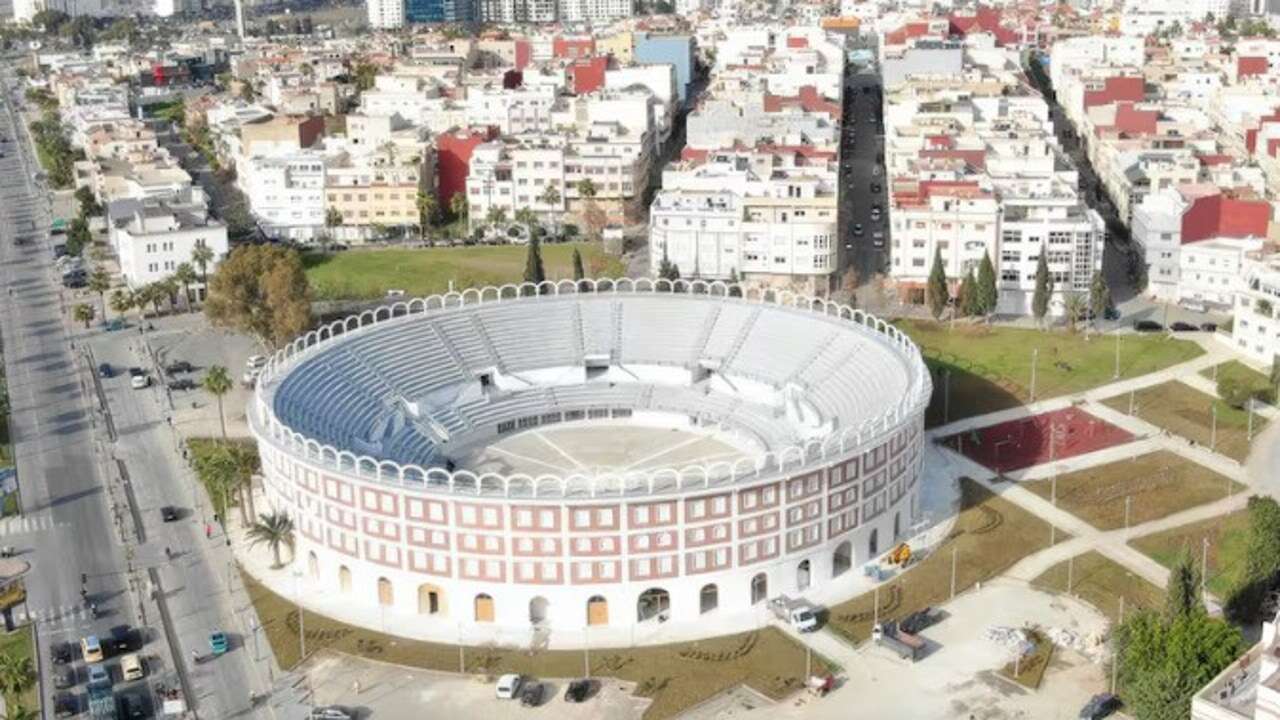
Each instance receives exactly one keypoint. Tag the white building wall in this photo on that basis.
(385, 14)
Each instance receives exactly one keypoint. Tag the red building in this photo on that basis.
(453, 160)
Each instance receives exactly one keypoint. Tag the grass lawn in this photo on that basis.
(21, 643)
(990, 366)
(676, 676)
(1161, 483)
(1101, 582)
(990, 535)
(371, 273)
(1185, 411)
(1243, 373)
(1228, 537)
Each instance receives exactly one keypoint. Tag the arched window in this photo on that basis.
(344, 579)
(708, 598)
(802, 575)
(430, 599)
(873, 545)
(386, 596)
(484, 608)
(597, 610)
(538, 610)
(652, 603)
(759, 588)
(842, 559)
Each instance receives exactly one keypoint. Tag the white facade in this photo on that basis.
(152, 238)
(1211, 271)
(1255, 330)
(598, 12)
(385, 14)
(286, 194)
(1157, 232)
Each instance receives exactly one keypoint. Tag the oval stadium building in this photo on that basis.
(597, 457)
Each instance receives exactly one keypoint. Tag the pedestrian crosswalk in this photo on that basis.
(25, 524)
(61, 615)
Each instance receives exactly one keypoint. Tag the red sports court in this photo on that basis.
(1038, 439)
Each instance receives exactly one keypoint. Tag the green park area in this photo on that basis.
(1237, 372)
(990, 535)
(17, 671)
(1189, 413)
(1153, 486)
(1101, 582)
(676, 677)
(990, 366)
(368, 274)
(1223, 555)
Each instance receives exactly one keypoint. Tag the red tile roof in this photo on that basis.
(808, 99)
(1246, 66)
(1221, 216)
(1116, 89)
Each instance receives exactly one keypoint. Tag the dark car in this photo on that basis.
(182, 384)
(59, 250)
(1183, 327)
(857, 229)
(169, 513)
(1147, 326)
(105, 371)
(181, 366)
(75, 282)
(875, 187)
(1209, 327)
(65, 679)
(1111, 313)
(131, 706)
(65, 705)
(531, 694)
(1100, 706)
(577, 691)
(121, 640)
(63, 653)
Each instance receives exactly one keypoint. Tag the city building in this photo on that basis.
(151, 237)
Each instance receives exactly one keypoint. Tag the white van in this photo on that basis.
(131, 667)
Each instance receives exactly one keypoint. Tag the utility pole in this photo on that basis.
(1116, 375)
(1249, 409)
(1035, 354)
(954, 555)
(946, 396)
(875, 609)
(586, 653)
(1213, 430)
(1204, 566)
(1071, 566)
(1128, 501)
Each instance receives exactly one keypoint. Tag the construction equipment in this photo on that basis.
(900, 555)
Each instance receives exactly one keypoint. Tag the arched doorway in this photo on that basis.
(430, 599)
(873, 545)
(313, 565)
(484, 608)
(344, 579)
(759, 588)
(802, 576)
(842, 559)
(597, 610)
(652, 603)
(538, 608)
(708, 598)
(386, 596)
(897, 525)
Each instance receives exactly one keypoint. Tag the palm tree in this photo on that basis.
(20, 712)
(1076, 306)
(217, 382)
(83, 312)
(497, 216)
(100, 282)
(185, 275)
(16, 674)
(426, 210)
(587, 188)
(458, 205)
(527, 217)
(202, 256)
(219, 471)
(273, 529)
(550, 195)
(246, 462)
(149, 294)
(122, 301)
(168, 289)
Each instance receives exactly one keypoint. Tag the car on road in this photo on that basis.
(138, 379)
(577, 691)
(1183, 327)
(218, 642)
(180, 366)
(857, 229)
(1100, 706)
(169, 513)
(1147, 326)
(63, 653)
(531, 694)
(331, 712)
(875, 187)
(508, 686)
(182, 384)
(877, 239)
(105, 371)
(1209, 327)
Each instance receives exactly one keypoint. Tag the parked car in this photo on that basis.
(98, 675)
(875, 187)
(182, 384)
(121, 640)
(63, 653)
(508, 686)
(65, 705)
(531, 694)
(1209, 327)
(65, 679)
(577, 691)
(131, 707)
(331, 712)
(1100, 706)
(138, 379)
(857, 229)
(1183, 327)
(105, 371)
(169, 513)
(91, 649)
(1147, 326)
(181, 366)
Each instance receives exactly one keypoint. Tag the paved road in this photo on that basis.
(862, 145)
(66, 528)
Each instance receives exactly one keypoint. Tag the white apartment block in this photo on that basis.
(286, 194)
(1071, 235)
(153, 237)
(1211, 271)
(1156, 229)
(522, 110)
(518, 11)
(385, 14)
(1255, 329)
(596, 12)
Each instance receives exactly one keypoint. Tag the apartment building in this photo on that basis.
(385, 14)
(151, 237)
(286, 193)
(366, 191)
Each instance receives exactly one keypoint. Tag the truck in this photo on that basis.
(799, 612)
(904, 644)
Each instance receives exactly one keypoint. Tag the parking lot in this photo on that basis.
(377, 690)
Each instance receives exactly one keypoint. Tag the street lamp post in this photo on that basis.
(946, 396)
(302, 633)
(1035, 353)
(1116, 374)
(1213, 429)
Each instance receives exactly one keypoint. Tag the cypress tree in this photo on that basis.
(970, 299)
(578, 272)
(533, 271)
(988, 295)
(936, 293)
(1099, 295)
(1044, 288)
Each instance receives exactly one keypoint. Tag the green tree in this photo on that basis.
(1044, 289)
(18, 711)
(533, 270)
(219, 471)
(202, 257)
(247, 92)
(273, 530)
(1182, 594)
(458, 206)
(427, 207)
(587, 188)
(1099, 296)
(970, 303)
(549, 196)
(365, 73)
(78, 236)
(87, 203)
(122, 301)
(936, 293)
(185, 275)
(217, 382)
(333, 218)
(1274, 378)
(1075, 307)
(1262, 560)
(100, 283)
(16, 674)
(496, 217)
(261, 290)
(1161, 694)
(988, 295)
(83, 313)
(668, 270)
(578, 272)
(527, 217)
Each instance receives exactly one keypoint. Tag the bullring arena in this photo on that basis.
(602, 456)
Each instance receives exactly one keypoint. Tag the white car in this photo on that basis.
(509, 687)
(256, 362)
(138, 379)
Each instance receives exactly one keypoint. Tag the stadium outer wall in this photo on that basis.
(451, 564)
